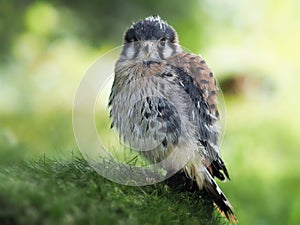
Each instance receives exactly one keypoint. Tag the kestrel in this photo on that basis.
(163, 102)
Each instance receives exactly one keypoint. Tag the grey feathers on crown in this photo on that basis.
(151, 28)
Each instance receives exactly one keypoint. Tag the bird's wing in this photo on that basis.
(203, 78)
(198, 81)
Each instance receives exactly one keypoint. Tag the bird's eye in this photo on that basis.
(162, 42)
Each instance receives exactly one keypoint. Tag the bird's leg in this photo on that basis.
(181, 182)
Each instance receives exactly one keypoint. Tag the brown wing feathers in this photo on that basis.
(196, 68)
(203, 78)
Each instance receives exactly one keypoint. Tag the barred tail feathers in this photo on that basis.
(208, 183)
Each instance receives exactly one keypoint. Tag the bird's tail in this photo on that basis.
(218, 197)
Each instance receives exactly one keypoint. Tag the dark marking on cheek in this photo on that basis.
(173, 47)
(160, 53)
(211, 74)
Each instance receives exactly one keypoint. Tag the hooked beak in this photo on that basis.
(149, 48)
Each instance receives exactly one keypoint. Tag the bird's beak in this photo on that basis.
(149, 48)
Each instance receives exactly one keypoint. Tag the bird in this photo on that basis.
(163, 102)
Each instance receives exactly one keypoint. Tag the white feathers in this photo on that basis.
(130, 51)
(153, 18)
(157, 19)
(161, 26)
(167, 51)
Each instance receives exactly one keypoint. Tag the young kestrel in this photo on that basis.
(164, 102)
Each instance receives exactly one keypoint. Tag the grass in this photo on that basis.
(70, 192)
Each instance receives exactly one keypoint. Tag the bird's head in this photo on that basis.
(151, 38)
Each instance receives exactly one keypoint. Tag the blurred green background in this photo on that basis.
(252, 47)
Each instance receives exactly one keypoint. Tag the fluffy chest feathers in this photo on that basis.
(151, 110)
